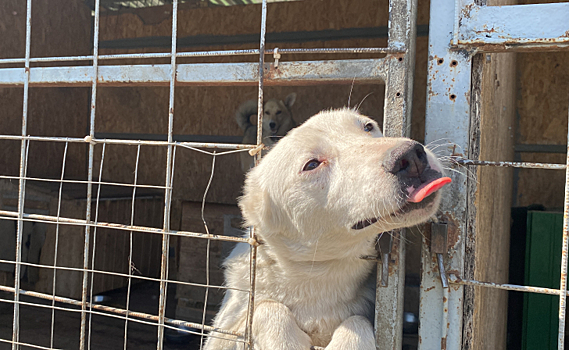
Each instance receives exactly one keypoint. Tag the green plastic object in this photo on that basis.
(542, 269)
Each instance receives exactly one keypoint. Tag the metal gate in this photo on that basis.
(394, 70)
(458, 31)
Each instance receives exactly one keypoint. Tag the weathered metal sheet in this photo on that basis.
(447, 122)
(515, 27)
(398, 75)
(306, 72)
(368, 70)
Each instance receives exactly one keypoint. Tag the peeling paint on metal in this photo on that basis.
(514, 27)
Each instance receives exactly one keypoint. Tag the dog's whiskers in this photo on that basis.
(362, 101)
(351, 90)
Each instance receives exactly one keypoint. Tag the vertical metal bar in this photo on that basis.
(90, 175)
(22, 181)
(396, 123)
(261, 74)
(168, 183)
(95, 245)
(563, 280)
(130, 266)
(447, 118)
(260, 102)
(55, 251)
(207, 249)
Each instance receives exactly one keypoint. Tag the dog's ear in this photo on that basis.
(289, 100)
(253, 203)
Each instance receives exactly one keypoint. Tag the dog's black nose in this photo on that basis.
(406, 160)
(272, 125)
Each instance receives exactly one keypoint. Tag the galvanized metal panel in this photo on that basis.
(370, 70)
(306, 72)
(498, 28)
(447, 122)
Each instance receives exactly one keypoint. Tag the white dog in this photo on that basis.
(319, 200)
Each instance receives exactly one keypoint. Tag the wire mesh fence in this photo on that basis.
(80, 217)
(91, 218)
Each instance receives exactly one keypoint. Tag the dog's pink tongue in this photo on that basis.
(426, 189)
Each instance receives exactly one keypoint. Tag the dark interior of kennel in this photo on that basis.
(528, 124)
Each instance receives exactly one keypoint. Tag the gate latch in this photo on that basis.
(439, 234)
(385, 244)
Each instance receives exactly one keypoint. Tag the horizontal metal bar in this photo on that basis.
(26, 344)
(87, 139)
(241, 39)
(217, 53)
(112, 315)
(11, 215)
(210, 139)
(84, 182)
(464, 161)
(305, 72)
(453, 279)
(515, 27)
(536, 148)
(118, 274)
(119, 311)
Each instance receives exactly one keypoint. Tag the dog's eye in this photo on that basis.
(278, 112)
(267, 112)
(368, 127)
(311, 165)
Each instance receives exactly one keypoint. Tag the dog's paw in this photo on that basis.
(355, 333)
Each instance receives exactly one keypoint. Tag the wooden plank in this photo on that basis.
(489, 234)
(59, 28)
(192, 256)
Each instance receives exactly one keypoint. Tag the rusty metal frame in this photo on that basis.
(447, 121)
(396, 122)
(534, 27)
(459, 29)
(304, 72)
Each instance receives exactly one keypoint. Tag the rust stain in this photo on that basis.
(510, 45)
(454, 153)
(466, 10)
(430, 288)
(486, 30)
(443, 343)
(453, 225)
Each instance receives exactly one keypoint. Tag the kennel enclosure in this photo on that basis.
(76, 204)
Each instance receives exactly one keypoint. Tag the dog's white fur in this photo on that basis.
(277, 122)
(311, 285)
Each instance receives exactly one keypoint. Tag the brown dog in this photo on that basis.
(277, 121)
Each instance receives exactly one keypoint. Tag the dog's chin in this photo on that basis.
(407, 215)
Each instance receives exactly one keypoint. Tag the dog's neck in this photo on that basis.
(318, 254)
